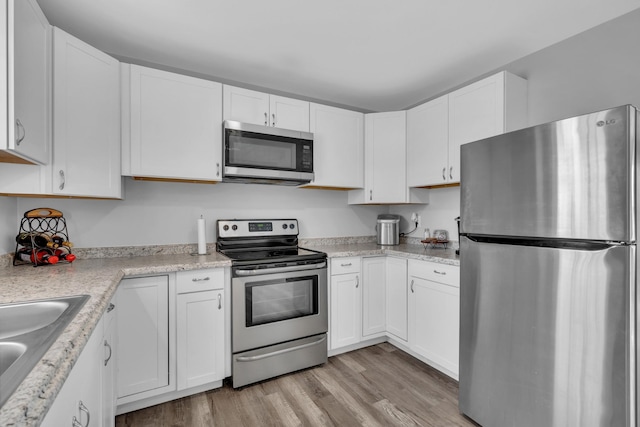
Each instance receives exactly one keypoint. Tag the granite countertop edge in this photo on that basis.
(99, 278)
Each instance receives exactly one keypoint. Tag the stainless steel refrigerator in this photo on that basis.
(548, 326)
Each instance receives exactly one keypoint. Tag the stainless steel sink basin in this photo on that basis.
(27, 330)
(18, 319)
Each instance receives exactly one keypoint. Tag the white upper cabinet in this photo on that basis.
(438, 128)
(385, 180)
(86, 126)
(428, 142)
(250, 106)
(288, 113)
(25, 76)
(338, 147)
(171, 125)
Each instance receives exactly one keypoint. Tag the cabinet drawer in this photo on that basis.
(345, 265)
(435, 272)
(199, 280)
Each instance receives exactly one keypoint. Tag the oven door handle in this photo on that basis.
(284, 350)
(253, 272)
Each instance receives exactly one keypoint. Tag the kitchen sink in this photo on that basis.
(27, 330)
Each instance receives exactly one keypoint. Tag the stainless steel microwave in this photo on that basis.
(266, 155)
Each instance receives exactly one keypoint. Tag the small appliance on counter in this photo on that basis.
(388, 229)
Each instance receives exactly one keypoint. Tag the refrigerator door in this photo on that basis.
(571, 179)
(547, 336)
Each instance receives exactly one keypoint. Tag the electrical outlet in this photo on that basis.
(414, 217)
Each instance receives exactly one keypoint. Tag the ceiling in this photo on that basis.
(371, 55)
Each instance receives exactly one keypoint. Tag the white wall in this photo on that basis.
(8, 224)
(156, 213)
(595, 70)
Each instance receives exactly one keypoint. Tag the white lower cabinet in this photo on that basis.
(109, 367)
(346, 302)
(145, 338)
(80, 399)
(200, 327)
(373, 296)
(434, 313)
(396, 297)
(171, 336)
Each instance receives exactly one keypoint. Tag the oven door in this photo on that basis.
(273, 308)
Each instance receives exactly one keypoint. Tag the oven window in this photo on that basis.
(261, 152)
(277, 300)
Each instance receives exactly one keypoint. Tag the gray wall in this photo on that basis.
(591, 71)
(8, 224)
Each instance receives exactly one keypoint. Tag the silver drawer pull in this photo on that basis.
(110, 307)
(412, 291)
(204, 279)
(442, 273)
(284, 350)
(84, 409)
(219, 302)
(346, 265)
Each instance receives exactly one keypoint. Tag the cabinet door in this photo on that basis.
(434, 328)
(108, 366)
(175, 125)
(142, 335)
(396, 290)
(200, 338)
(385, 149)
(86, 133)
(373, 296)
(346, 303)
(288, 113)
(428, 143)
(28, 100)
(81, 396)
(338, 147)
(244, 105)
(475, 112)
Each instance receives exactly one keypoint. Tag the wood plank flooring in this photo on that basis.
(375, 386)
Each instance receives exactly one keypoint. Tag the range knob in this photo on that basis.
(292, 226)
(284, 226)
(234, 227)
(225, 228)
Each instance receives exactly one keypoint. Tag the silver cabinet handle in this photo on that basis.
(412, 291)
(84, 409)
(442, 273)
(444, 173)
(106, 344)
(370, 194)
(219, 301)
(273, 120)
(75, 422)
(357, 281)
(451, 172)
(217, 169)
(266, 119)
(346, 265)
(19, 126)
(110, 307)
(62, 179)
(201, 279)
(277, 352)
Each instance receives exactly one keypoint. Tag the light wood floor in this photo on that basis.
(374, 386)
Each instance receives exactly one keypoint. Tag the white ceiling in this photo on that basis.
(376, 55)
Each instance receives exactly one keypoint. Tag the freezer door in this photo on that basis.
(546, 336)
(570, 179)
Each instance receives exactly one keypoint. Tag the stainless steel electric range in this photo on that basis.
(278, 299)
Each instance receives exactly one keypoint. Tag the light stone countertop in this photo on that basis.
(99, 278)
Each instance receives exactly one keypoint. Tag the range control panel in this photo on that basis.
(257, 227)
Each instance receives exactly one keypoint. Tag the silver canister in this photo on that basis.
(388, 229)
